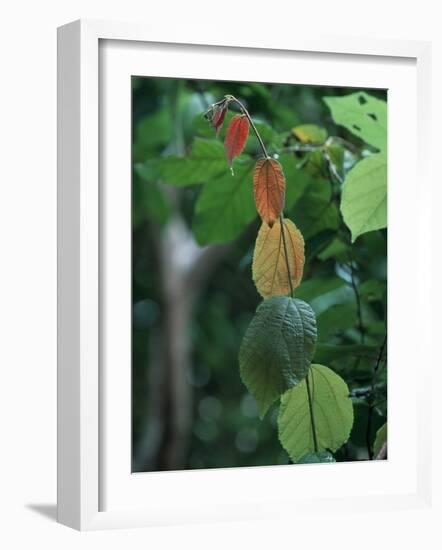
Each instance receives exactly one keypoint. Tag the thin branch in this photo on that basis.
(358, 303)
(281, 219)
(252, 124)
(299, 148)
(286, 256)
(332, 168)
(371, 400)
(312, 416)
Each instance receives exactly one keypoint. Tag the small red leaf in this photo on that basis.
(218, 118)
(236, 137)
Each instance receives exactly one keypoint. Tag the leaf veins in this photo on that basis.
(236, 137)
(269, 266)
(269, 189)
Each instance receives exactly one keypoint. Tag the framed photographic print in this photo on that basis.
(234, 277)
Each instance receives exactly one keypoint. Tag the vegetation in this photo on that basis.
(312, 163)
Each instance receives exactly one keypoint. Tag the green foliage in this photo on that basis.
(332, 187)
(277, 348)
(315, 210)
(225, 206)
(207, 160)
(297, 181)
(381, 438)
(329, 352)
(363, 115)
(364, 196)
(153, 132)
(310, 133)
(149, 202)
(332, 412)
(316, 458)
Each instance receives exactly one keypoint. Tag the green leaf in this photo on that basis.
(323, 293)
(315, 211)
(206, 161)
(330, 352)
(316, 458)
(363, 115)
(310, 133)
(337, 249)
(316, 287)
(336, 320)
(149, 202)
(373, 290)
(225, 206)
(277, 348)
(316, 244)
(152, 133)
(364, 196)
(297, 180)
(380, 439)
(332, 411)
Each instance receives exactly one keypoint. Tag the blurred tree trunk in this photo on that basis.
(184, 268)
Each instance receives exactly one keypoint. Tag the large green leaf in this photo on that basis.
(225, 206)
(332, 412)
(363, 115)
(364, 196)
(206, 161)
(277, 348)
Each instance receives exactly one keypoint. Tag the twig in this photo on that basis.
(358, 303)
(371, 400)
(284, 243)
(252, 124)
(281, 219)
(312, 416)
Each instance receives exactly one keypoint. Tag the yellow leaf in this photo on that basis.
(269, 263)
(310, 133)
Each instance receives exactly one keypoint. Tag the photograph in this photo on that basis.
(259, 274)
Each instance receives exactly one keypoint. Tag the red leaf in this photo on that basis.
(236, 137)
(218, 118)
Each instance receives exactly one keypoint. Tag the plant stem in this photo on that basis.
(371, 401)
(358, 302)
(286, 256)
(252, 124)
(312, 416)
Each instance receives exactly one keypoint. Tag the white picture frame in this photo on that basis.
(96, 491)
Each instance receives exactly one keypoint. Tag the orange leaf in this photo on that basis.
(236, 137)
(218, 117)
(269, 266)
(269, 188)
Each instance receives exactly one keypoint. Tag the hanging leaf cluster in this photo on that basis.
(276, 354)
